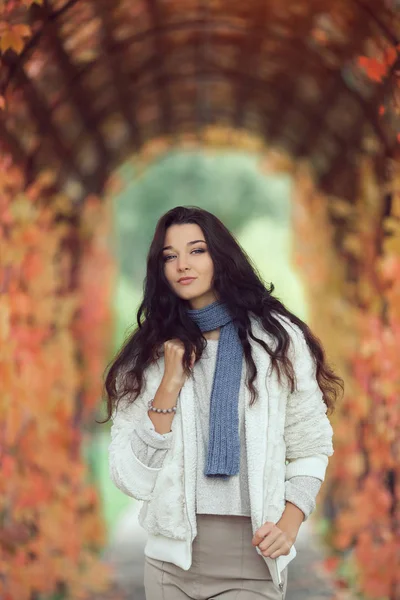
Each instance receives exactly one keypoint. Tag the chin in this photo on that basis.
(188, 297)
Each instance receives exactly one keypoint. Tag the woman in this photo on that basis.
(219, 401)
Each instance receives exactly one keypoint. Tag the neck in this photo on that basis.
(202, 301)
(213, 335)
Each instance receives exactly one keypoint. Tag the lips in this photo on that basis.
(186, 279)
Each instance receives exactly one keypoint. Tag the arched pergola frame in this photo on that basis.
(152, 70)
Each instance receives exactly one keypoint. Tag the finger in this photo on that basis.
(272, 548)
(284, 548)
(261, 533)
(277, 547)
(269, 540)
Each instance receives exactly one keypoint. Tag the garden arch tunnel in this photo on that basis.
(94, 84)
(97, 80)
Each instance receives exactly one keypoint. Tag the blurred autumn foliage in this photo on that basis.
(65, 69)
(354, 292)
(53, 339)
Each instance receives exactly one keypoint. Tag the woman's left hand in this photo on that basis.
(272, 541)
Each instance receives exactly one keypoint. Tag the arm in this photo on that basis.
(130, 474)
(308, 436)
(163, 381)
(308, 432)
(149, 446)
(152, 437)
(302, 492)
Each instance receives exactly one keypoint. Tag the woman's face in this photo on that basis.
(185, 254)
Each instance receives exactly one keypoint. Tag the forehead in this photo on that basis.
(180, 235)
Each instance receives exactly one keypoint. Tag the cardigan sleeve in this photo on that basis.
(149, 446)
(308, 432)
(132, 476)
(302, 491)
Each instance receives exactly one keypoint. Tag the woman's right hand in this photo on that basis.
(174, 373)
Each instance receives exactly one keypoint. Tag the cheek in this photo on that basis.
(168, 274)
(207, 269)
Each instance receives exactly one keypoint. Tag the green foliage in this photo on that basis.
(230, 185)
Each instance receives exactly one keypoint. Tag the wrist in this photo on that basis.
(291, 520)
(170, 386)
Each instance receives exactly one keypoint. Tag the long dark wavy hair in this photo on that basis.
(162, 315)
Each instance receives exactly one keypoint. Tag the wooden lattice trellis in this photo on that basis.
(98, 79)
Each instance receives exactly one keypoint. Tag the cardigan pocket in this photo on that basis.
(164, 513)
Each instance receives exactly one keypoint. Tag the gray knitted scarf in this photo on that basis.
(224, 443)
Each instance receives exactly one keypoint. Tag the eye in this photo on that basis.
(200, 250)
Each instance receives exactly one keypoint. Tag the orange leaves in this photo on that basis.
(37, 490)
(8, 466)
(377, 550)
(51, 522)
(12, 37)
(357, 315)
(14, 33)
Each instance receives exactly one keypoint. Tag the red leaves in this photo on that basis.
(51, 519)
(374, 68)
(358, 319)
(377, 68)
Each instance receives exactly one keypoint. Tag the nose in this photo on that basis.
(182, 263)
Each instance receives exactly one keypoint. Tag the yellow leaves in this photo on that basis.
(356, 464)
(65, 316)
(392, 225)
(340, 208)
(12, 37)
(28, 3)
(11, 41)
(22, 210)
(392, 240)
(352, 244)
(275, 161)
(391, 245)
(63, 205)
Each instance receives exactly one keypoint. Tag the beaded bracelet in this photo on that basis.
(161, 410)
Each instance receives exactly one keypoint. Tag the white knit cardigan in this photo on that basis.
(287, 434)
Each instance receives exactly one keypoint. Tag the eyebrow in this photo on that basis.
(188, 244)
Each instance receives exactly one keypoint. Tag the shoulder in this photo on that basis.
(298, 350)
(291, 328)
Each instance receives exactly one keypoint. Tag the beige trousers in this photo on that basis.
(225, 565)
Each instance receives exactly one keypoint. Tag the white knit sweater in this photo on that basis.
(215, 495)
